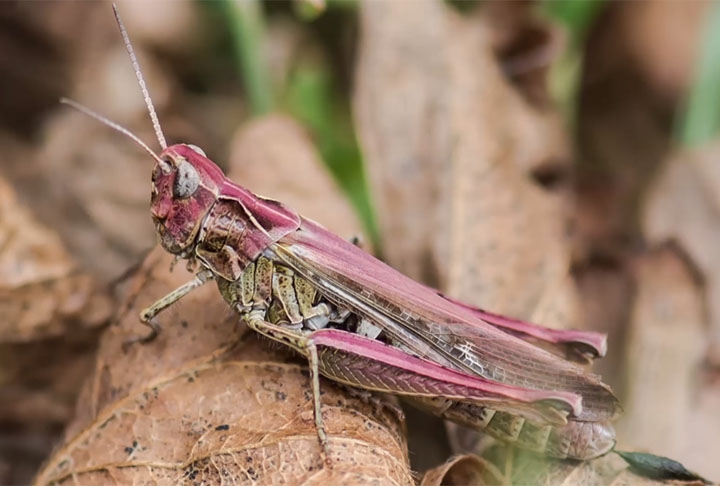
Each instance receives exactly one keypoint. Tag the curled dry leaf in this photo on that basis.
(50, 319)
(42, 293)
(452, 149)
(463, 470)
(683, 206)
(208, 402)
(671, 340)
(664, 352)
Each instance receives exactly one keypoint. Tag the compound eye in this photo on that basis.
(196, 149)
(187, 180)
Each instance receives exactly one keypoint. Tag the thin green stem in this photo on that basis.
(248, 28)
(700, 121)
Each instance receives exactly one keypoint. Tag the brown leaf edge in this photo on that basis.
(462, 470)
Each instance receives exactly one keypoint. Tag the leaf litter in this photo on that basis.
(464, 152)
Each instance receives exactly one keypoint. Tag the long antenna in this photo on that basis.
(115, 126)
(141, 81)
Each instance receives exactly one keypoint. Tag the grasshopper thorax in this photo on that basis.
(185, 185)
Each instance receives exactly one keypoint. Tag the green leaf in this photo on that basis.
(701, 119)
(659, 467)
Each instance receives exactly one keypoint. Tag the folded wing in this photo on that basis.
(421, 320)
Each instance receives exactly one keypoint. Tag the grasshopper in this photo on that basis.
(361, 323)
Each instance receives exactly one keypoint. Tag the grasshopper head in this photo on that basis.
(185, 185)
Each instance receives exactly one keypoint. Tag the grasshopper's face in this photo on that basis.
(184, 188)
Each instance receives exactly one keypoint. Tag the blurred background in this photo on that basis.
(556, 161)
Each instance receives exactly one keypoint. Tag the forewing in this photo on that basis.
(366, 363)
(431, 326)
(573, 343)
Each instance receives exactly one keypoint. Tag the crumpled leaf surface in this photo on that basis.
(207, 401)
(665, 350)
(674, 348)
(466, 469)
(41, 290)
(46, 304)
(683, 205)
(50, 318)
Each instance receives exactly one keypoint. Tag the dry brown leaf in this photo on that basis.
(451, 147)
(206, 402)
(463, 470)
(42, 293)
(670, 406)
(400, 114)
(664, 352)
(274, 157)
(683, 206)
(30, 253)
(624, 121)
(50, 319)
(662, 40)
(526, 46)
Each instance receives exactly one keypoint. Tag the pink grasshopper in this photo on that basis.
(361, 323)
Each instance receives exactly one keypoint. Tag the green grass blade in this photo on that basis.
(247, 25)
(700, 121)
